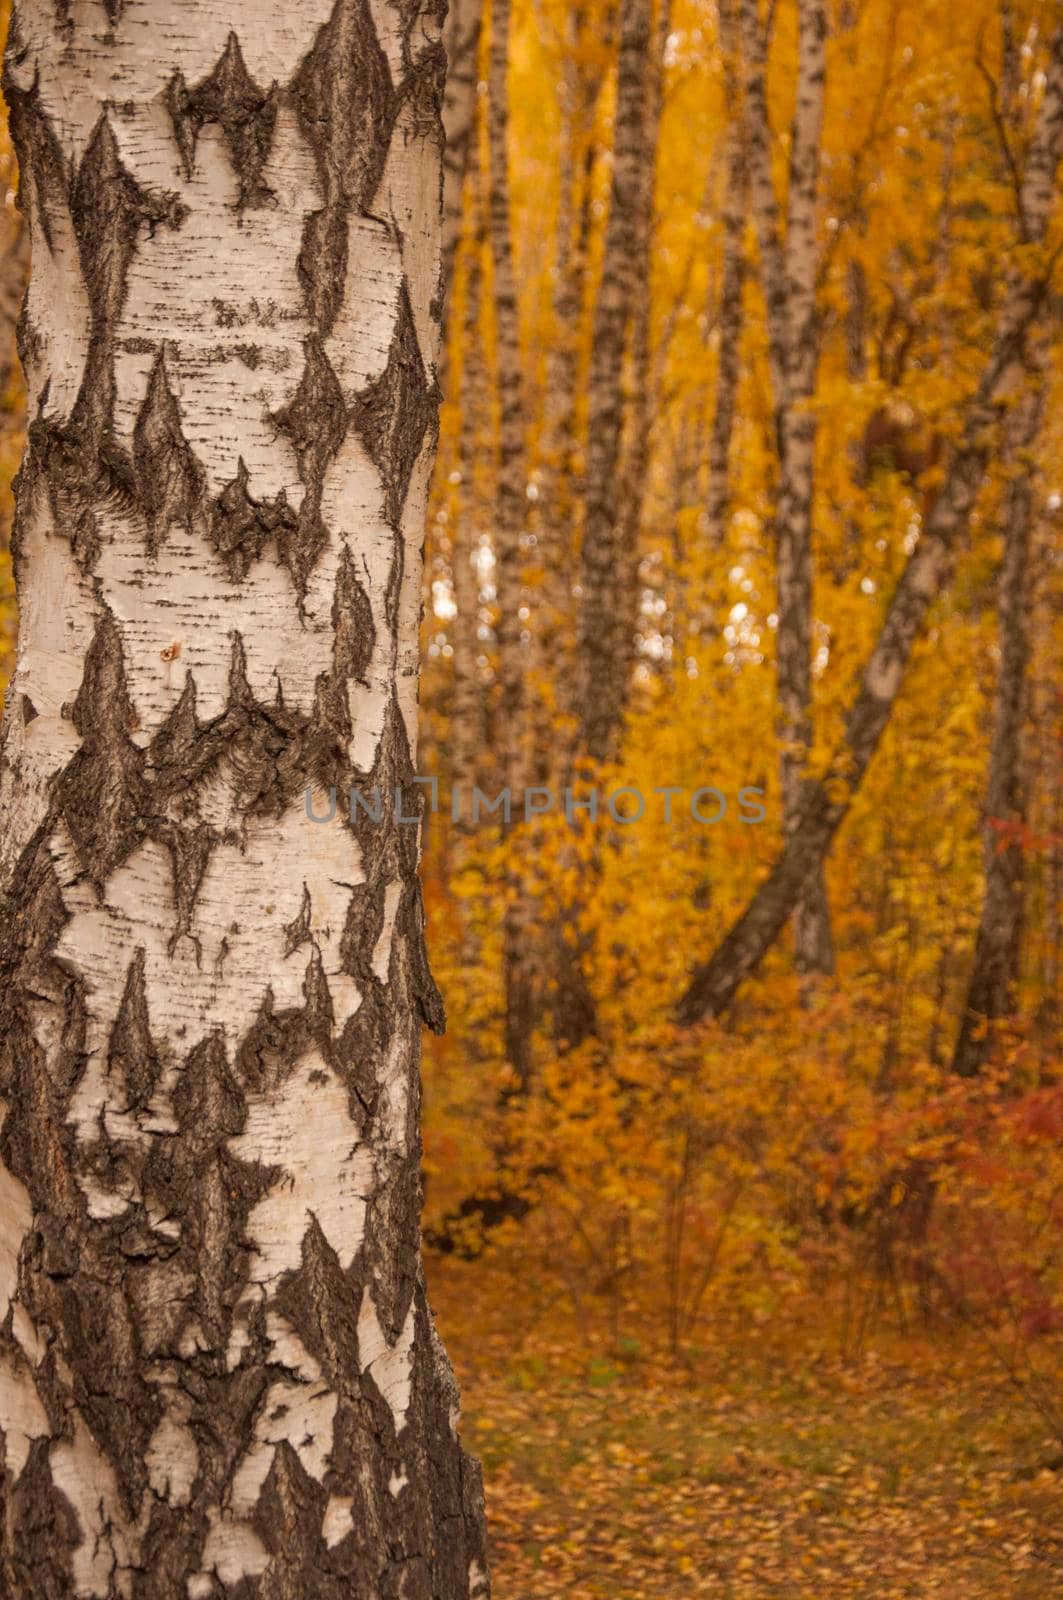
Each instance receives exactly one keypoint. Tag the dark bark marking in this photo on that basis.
(271, 1048)
(345, 104)
(44, 1529)
(322, 1304)
(78, 482)
(352, 620)
(297, 932)
(120, 1409)
(108, 208)
(394, 413)
(178, 756)
(131, 1056)
(190, 851)
(210, 1190)
(287, 1517)
(426, 992)
(169, 1550)
(420, 94)
(396, 1205)
(102, 793)
(412, 13)
(169, 480)
(315, 420)
(246, 114)
(354, 639)
(42, 166)
(241, 526)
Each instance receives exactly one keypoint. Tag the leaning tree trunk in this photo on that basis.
(218, 1369)
(826, 802)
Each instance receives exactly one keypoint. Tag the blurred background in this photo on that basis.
(765, 1301)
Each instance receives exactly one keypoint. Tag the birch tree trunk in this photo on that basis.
(578, 93)
(218, 1370)
(467, 714)
(509, 525)
(825, 803)
(729, 316)
(991, 991)
(636, 433)
(607, 611)
(788, 271)
(510, 500)
(459, 120)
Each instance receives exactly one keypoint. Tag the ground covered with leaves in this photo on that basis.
(756, 1469)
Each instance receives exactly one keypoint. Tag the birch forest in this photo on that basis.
(733, 911)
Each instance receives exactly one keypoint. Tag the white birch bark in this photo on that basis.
(788, 272)
(218, 1370)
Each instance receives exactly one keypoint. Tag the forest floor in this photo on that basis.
(914, 1469)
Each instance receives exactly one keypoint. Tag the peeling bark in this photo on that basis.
(218, 1369)
(825, 803)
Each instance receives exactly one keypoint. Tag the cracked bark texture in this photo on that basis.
(825, 803)
(788, 275)
(219, 1374)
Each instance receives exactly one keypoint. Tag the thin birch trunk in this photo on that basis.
(614, 479)
(218, 1368)
(462, 40)
(510, 506)
(607, 608)
(636, 453)
(789, 271)
(470, 505)
(554, 518)
(826, 802)
(991, 990)
(1045, 716)
(572, 1005)
(510, 499)
(729, 315)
